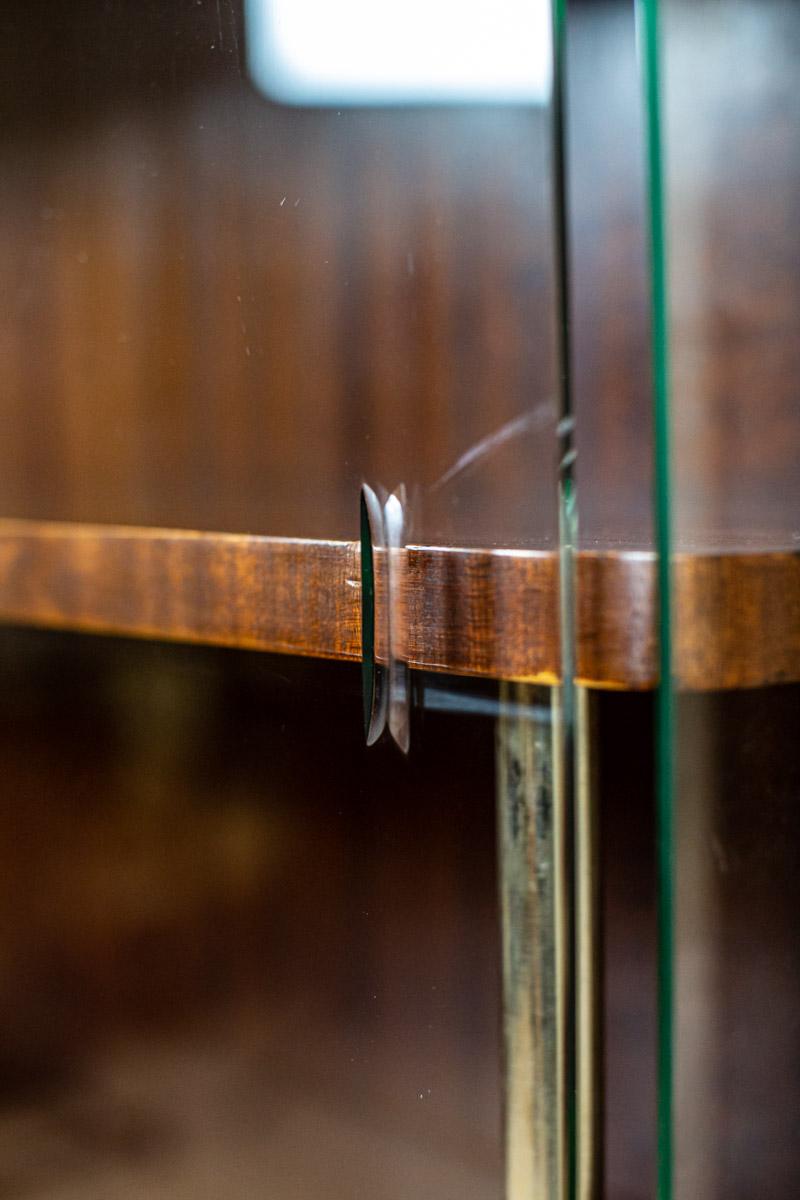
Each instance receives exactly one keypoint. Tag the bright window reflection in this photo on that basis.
(340, 52)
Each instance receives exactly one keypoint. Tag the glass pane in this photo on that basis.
(255, 261)
(615, 951)
(232, 298)
(610, 285)
(731, 121)
(242, 954)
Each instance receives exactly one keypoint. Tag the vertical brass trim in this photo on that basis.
(588, 953)
(535, 922)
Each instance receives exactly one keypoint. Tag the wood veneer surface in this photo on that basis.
(225, 314)
(476, 612)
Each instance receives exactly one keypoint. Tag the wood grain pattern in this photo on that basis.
(290, 597)
(491, 614)
(738, 619)
(484, 612)
(616, 597)
(225, 314)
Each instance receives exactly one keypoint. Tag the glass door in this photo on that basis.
(263, 259)
(724, 162)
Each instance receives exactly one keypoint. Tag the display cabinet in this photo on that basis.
(405, 394)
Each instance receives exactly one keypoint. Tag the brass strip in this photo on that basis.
(531, 826)
(588, 956)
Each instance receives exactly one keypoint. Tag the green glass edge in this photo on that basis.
(367, 618)
(665, 715)
(568, 537)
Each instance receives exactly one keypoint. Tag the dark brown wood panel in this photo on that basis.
(486, 613)
(225, 314)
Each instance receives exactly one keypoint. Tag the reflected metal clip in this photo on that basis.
(383, 607)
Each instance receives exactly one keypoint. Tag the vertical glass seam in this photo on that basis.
(567, 528)
(665, 709)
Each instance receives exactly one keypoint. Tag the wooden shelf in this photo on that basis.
(489, 613)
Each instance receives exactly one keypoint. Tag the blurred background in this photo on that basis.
(243, 954)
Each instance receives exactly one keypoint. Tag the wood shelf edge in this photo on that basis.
(472, 612)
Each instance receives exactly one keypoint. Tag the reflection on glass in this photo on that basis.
(737, 960)
(417, 52)
(242, 954)
(732, 188)
(225, 313)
